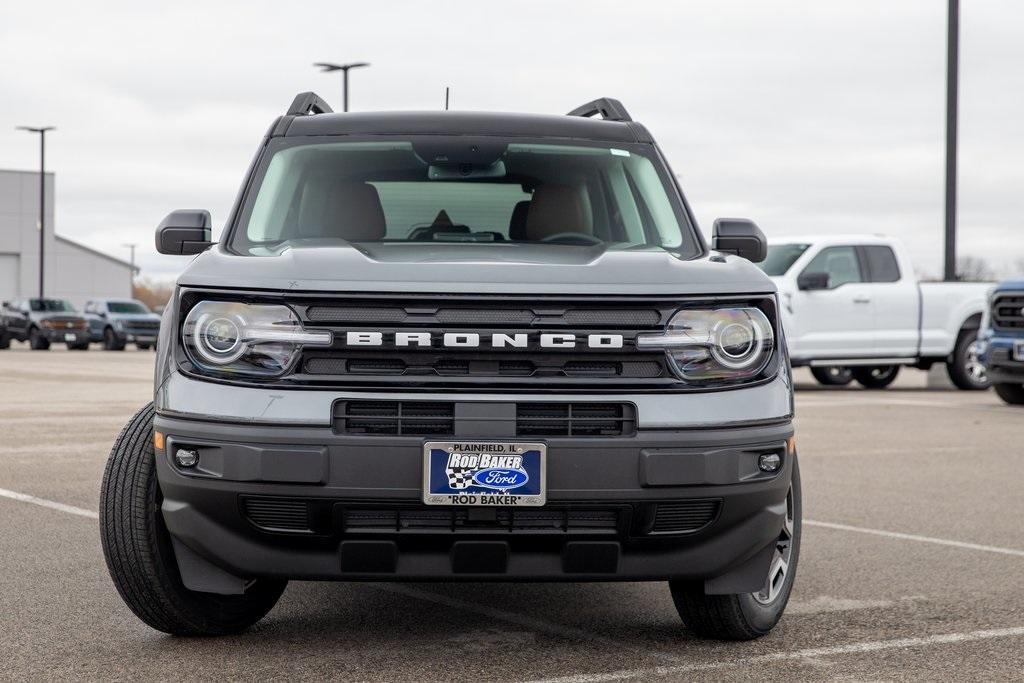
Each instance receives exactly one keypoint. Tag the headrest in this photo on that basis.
(555, 209)
(517, 223)
(350, 210)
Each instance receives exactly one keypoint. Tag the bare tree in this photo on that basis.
(151, 292)
(974, 268)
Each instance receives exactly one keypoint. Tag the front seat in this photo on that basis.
(556, 209)
(348, 210)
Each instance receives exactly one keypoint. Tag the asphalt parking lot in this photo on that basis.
(911, 568)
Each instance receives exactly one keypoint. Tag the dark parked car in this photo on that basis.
(117, 322)
(42, 322)
(1001, 344)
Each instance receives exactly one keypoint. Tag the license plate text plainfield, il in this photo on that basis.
(484, 473)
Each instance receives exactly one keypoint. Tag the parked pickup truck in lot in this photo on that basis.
(853, 309)
(117, 322)
(461, 347)
(1002, 341)
(42, 322)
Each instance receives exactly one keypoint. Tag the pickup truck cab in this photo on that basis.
(117, 322)
(1002, 341)
(460, 346)
(42, 322)
(852, 308)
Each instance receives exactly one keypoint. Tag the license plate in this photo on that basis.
(68, 337)
(484, 473)
(1018, 350)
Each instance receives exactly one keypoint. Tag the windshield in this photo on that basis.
(51, 306)
(126, 307)
(781, 257)
(470, 190)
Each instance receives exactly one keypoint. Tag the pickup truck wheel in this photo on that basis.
(36, 340)
(1011, 393)
(110, 340)
(5, 341)
(966, 370)
(137, 548)
(748, 615)
(878, 377)
(832, 376)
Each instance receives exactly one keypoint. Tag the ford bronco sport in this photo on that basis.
(460, 346)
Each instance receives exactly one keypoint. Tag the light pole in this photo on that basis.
(42, 195)
(952, 82)
(131, 276)
(343, 68)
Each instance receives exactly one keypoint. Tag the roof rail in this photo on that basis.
(308, 103)
(610, 110)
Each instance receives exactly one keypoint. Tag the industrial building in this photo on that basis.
(72, 271)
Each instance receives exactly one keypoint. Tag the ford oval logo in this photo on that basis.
(501, 479)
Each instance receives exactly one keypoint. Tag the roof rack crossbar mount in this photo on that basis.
(610, 110)
(308, 103)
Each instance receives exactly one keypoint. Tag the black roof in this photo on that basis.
(462, 123)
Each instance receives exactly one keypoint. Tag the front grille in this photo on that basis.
(575, 419)
(143, 325)
(423, 519)
(415, 366)
(438, 418)
(278, 514)
(395, 418)
(684, 516)
(471, 315)
(1008, 311)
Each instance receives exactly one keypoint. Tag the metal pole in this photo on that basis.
(952, 78)
(42, 208)
(344, 79)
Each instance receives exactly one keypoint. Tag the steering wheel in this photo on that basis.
(573, 238)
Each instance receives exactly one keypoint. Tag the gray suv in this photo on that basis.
(117, 322)
(453, 346)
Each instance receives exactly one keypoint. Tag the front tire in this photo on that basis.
(110, 340)
(137, 548)
(36, 340)
(1010, 393)
(965, 370)
(832, 375)
(748, 615)
(878, 377)
(5, 341)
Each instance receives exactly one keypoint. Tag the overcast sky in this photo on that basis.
(814, 116)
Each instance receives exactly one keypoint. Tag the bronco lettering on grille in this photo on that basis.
(472, 340)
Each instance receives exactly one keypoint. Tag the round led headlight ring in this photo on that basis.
(738, 343)
(218, 338)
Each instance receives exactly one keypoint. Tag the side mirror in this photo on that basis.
(741, 237)
(812, 281)
(184, 232)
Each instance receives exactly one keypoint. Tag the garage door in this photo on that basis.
(8, 276)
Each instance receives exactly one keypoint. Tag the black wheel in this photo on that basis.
(832, 376)
(5, 341)
(139, 555)
(878, 377)
(748, 615)
(110, 340)
(36, 340)
(1011, 393)
(966, 371)
(78, 347)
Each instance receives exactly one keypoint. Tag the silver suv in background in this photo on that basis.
(117, 322)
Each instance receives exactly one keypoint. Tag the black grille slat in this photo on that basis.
(684, 516)
(446, 520)
(413, 364)
(278, 514)
(1008, 311)
(574, 419)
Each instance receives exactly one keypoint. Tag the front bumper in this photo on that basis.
(1001, 363)
(303, 502)
(59, 335)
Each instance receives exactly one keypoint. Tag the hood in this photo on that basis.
(509, 268)
(134, 316)
(58, 316)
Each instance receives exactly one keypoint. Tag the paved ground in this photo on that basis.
(911, 567)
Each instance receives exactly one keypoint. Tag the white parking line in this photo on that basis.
(42, 502)
(915, 537)
(810, 653)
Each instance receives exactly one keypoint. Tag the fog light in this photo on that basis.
(768, 462)
(186, 458)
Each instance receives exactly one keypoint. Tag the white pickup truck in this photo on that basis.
(852, 309)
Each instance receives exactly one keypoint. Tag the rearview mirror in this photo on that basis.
(184, 232)
(741, 237)
(811, 281)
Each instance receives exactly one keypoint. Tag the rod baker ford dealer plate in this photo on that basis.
(484, 473)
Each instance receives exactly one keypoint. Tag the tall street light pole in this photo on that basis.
(42, 196)
(952, 84)
(131, 277)
(343, 68)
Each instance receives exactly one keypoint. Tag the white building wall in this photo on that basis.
(73, 271)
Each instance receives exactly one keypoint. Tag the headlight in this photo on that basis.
(251, 339)
(716, 346)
